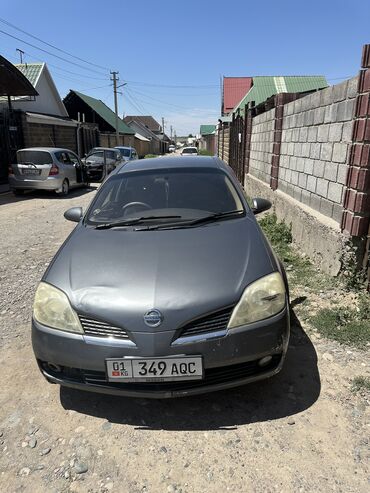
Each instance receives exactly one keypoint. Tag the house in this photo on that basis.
(39, 119)
(154, 146)
(94, 111)
(263, 87)
(151, 124)
(207, 140)
(233, 90)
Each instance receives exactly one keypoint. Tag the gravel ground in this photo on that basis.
(302, 431)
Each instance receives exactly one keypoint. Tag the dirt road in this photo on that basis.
(302, 431)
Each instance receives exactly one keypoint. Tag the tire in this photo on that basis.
(18, 192)
(64, 189)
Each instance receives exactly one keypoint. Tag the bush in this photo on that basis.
(204, 152)
(147, 156)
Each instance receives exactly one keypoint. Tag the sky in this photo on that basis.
(172, 55)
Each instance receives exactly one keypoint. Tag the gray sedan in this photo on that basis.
(166, 287)
(46, 168)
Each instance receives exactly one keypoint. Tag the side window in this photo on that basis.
(63, 157)
(74, 159)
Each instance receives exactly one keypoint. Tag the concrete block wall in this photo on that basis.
(40, 135)
(316, 138)
(261, 146)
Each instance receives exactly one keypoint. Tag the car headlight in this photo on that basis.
(53, 309)
(261, 299)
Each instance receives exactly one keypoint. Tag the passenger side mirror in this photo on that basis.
(74, 214)
(260, 205)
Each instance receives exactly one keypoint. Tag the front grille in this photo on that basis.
(98, 328)
(211, 323)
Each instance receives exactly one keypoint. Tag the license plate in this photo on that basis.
(154, 369)
(31, 171)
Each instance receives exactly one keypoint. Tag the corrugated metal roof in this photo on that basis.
(234, 88)
(105, 112)
(207, 129)
(266, 86)
(31, 70)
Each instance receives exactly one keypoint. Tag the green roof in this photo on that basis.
(207, 129)
(105, 112)
(30, 70)
(266, 86)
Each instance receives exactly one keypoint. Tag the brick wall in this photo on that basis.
(261, 146)
(316, 136)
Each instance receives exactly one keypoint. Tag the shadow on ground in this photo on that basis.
(10, 198)
(293, 390)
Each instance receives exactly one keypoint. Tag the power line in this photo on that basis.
(49, 53)
(158, 100)
(51, 46)
(173, 86)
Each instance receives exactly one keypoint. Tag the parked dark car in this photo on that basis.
(101, 161)
(166, 287)
(46, 168)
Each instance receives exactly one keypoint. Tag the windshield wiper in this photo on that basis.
(217, 216)
(134, 220)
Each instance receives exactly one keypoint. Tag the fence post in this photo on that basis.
(278, 127)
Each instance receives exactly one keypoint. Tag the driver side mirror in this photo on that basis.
(74, 214)
(260, 205)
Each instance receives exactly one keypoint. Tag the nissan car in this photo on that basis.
(166, 287)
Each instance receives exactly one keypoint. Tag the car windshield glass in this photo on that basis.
(111, 154)
(187, 193)
(35, 157)
(95, 157)
(125, 152)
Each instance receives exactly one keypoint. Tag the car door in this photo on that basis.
(77, 167)
(69, 171)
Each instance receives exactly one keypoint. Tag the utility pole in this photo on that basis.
(115, 79)
(21, 53)
(171, 132)
(163, 126)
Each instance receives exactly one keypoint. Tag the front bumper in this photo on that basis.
(50, 183)
(228, 361)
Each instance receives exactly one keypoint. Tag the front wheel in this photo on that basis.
(64, 188)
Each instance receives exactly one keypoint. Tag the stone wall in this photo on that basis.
(316, 136)
(261, 146)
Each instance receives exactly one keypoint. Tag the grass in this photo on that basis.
(150, 155)
(360, 383)
(302, 270)
(345, 324)
(204, 152)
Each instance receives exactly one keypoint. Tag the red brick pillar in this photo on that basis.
(248, 117)
(356, 214)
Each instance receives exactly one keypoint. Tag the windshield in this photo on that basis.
(186, 193)
(125, 152)
(35, 157)
(96, 157)
(190, 150)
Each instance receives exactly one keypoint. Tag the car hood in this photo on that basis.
(118, 275)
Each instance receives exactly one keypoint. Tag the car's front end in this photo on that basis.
(162, 309)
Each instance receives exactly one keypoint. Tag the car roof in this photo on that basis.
(47, 149)
(170, 162)
(103, 149)
(123, 147)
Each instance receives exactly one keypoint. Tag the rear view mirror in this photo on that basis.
(74, 214)
(260, 205)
